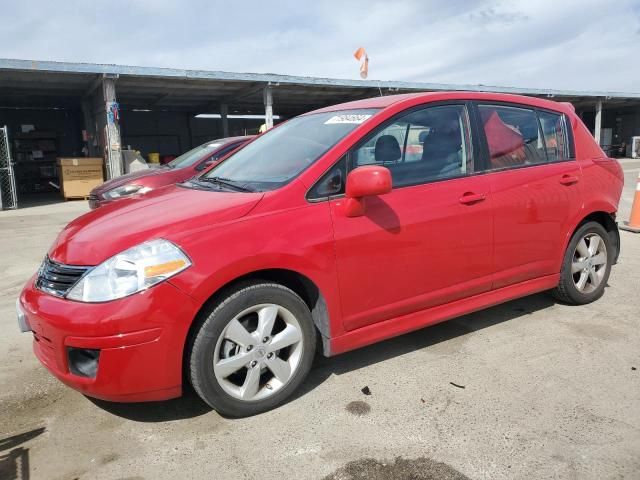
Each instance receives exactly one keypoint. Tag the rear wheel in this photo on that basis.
(586, 266)
(253, 350)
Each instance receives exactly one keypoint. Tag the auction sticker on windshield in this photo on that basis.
(347, 119)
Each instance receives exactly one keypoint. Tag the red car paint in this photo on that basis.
(154, 178)
(417, 256)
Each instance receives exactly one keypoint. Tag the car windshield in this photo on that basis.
(281, 154)
(195, 154)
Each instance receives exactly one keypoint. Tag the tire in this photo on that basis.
(265, 328)
(579, 264)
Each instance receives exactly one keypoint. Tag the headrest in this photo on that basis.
(387, 149)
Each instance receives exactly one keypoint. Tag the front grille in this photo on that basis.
(56, 278)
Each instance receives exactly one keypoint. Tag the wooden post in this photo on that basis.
(97, 104)
(112, 142)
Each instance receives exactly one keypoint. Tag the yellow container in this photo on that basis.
(154, 157)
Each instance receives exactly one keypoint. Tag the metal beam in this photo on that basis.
(95, 84)
(598, 126)
(268, 106)
(224, 111)
(245, 92)
(158, 99)
(98, 82)
(231, 99)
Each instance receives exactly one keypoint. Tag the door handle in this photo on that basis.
(470, 198)
(569, 179)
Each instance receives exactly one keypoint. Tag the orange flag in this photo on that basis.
(363, 58)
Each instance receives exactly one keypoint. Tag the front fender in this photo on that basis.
(299, 240)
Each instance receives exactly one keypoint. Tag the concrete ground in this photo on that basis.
(528, 389)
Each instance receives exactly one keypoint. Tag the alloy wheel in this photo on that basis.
(589, 263)
(258, 352)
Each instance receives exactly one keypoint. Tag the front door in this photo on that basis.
(427, 242)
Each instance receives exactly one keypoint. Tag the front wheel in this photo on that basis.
(252, 350)
(586, 266)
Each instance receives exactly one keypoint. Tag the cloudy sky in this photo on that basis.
(547, 43)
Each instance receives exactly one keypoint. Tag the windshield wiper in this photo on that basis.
(226, 182)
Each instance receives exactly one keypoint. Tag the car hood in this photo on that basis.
(124, 179)
(95, 236)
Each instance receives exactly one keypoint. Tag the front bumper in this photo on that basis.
(140, 340)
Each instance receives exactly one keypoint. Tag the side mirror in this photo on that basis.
(362, 182)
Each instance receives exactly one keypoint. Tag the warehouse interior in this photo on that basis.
(54, 110)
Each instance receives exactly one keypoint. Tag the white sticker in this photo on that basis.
(347, 119)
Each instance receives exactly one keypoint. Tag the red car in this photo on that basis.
(329, 228)
(180, 169)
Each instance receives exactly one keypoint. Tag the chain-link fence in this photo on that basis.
(8, 197)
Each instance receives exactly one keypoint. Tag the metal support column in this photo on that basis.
(224, 112)
(598, 126)
(268, 107)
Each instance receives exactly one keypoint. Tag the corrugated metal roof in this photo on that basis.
(125, 70)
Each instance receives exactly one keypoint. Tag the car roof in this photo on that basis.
(224, 141)
(415, 98)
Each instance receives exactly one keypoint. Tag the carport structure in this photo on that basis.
(103, 108)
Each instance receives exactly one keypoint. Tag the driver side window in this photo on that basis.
(425, 145)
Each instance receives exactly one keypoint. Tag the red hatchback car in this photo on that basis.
(180, 169)
(344, 226)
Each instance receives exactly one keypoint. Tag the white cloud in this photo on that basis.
(547, 44)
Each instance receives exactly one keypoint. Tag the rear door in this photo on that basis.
(429, 241)
(535, 188)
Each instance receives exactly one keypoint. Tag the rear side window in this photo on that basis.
(555, 136)
(513, 136)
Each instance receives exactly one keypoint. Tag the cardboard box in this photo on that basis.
(78, 176)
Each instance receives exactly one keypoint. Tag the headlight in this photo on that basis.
(125, 191)
(131, 271)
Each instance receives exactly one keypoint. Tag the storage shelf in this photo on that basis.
(34, 162)
(34, 174)
(35, 136)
